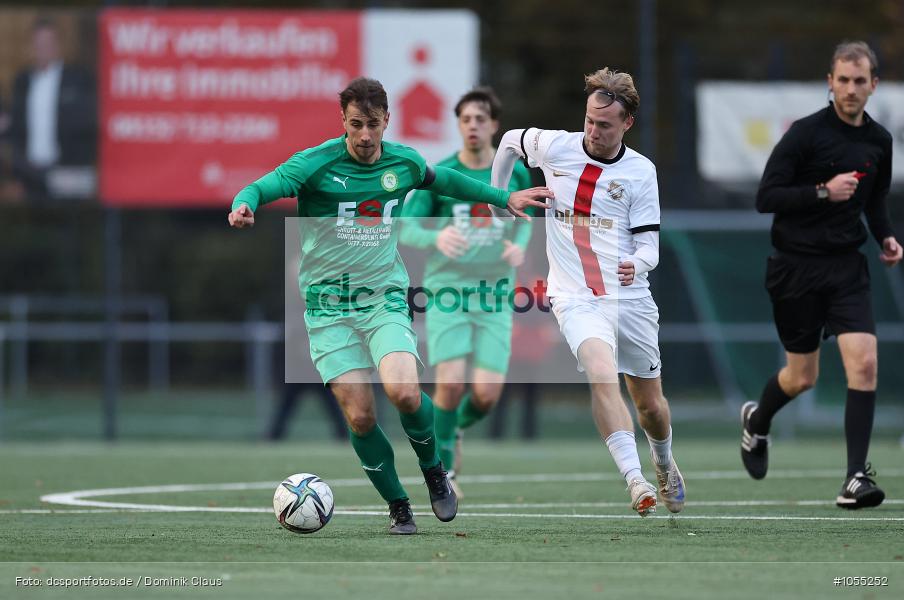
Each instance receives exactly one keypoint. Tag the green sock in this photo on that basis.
(377, 460)
(468, 414)
(445, 422)
(418, 427)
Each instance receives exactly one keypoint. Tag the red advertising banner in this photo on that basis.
(195, 104)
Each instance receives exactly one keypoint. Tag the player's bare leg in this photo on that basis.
(355, 396)
(859, 355)
(652, 408)
(655, 419)
(486, 389)
(613, 421)
(450, 383)
(797, 376)
(398, 371)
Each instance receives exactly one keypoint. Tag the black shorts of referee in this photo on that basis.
(817, 296)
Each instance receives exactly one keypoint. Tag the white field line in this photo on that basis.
(66, 511)
(368, 508)
(84, 498)
(382, 513)
(69, 498)
(697, 503)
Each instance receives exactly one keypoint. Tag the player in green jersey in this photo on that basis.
(350, 189)
(472, 246)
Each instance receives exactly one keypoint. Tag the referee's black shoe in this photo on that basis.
(860, 491)
(754, 447)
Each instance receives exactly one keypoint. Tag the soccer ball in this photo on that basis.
(303, 503)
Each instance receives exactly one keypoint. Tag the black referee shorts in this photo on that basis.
(814, 297)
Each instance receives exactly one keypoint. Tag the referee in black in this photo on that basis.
(827, 170)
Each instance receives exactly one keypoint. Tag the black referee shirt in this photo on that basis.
(812, 151)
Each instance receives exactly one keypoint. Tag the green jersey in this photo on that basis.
(349, 249)
(484, 231)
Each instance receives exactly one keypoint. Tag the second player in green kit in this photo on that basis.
(467, 342)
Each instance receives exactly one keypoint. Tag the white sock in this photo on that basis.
(623, 449)
(662, 449)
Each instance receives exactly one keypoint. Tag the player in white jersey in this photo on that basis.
(602, 236)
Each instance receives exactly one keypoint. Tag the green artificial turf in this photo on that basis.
(541, 519)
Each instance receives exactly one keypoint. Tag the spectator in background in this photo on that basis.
(289, 395)
(469, 347)
(53, 128)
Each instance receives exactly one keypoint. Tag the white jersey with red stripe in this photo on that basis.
(599, 205)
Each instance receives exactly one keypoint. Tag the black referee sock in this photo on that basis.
(858, 427)
(771, 401)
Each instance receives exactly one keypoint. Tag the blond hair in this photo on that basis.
(620, 84)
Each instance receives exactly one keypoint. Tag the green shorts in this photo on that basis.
(358, 339)
(486, 336)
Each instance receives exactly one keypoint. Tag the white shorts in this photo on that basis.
(629, 327)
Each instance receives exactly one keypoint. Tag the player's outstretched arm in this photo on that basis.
(451, 183)
(535, 197)
(509, 151)
(241, 217)
(268, 188)
(507, 156)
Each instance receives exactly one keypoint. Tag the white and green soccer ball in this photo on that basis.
(303, 503)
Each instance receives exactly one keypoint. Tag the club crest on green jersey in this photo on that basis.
(389, 181)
